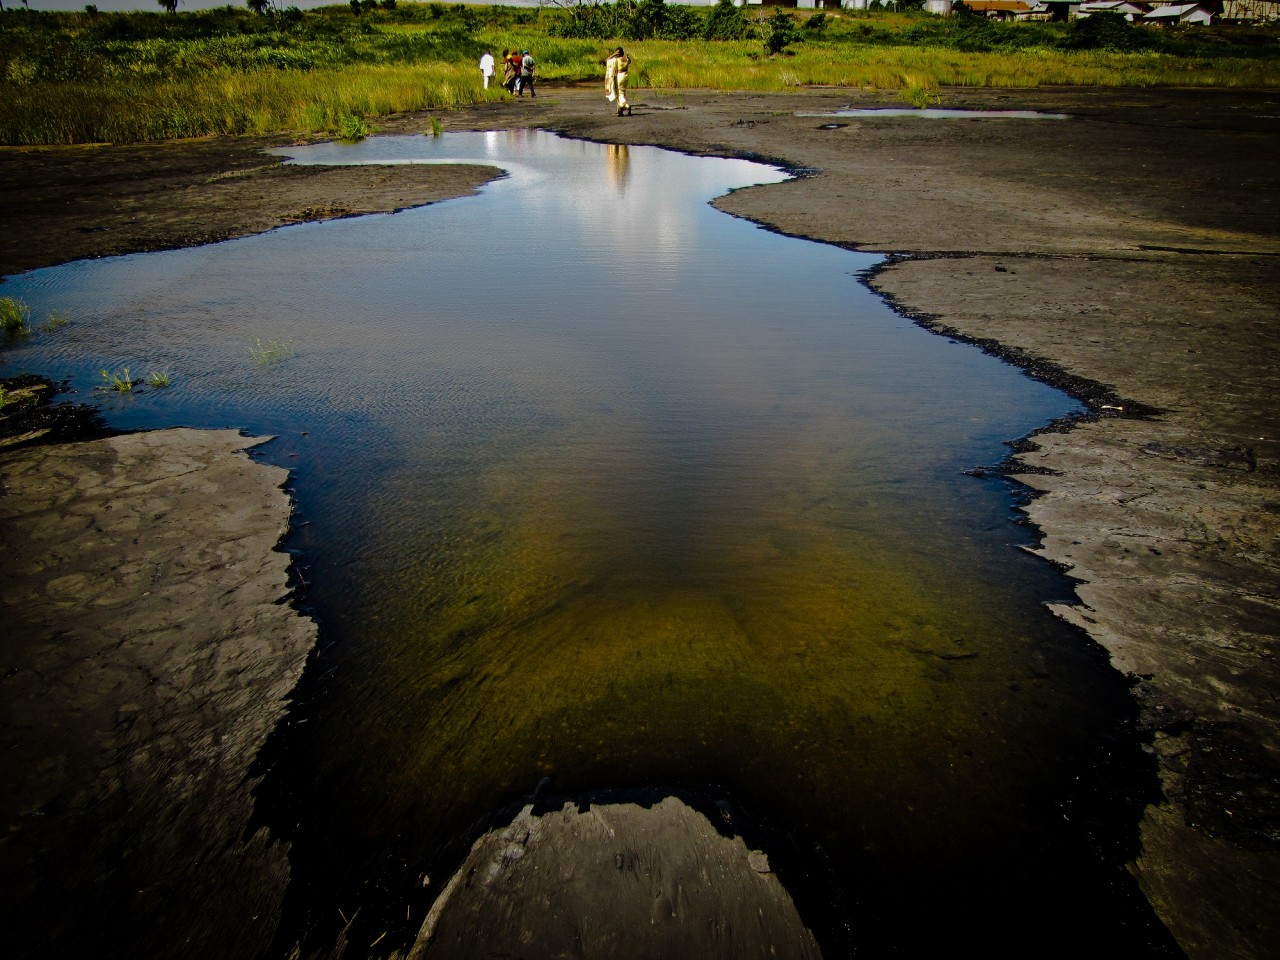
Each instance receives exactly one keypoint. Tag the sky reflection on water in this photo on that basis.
(604, 486)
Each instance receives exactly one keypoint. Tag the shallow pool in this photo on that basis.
(599, 488)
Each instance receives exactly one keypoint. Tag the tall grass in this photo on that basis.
(73, 78)
(738, 65)
(229, 101)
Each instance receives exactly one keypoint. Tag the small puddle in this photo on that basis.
(940, 113)
(607, 489)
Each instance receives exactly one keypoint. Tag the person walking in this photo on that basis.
(486, 68)
(615, 80)
(526, 74)
(511, 70)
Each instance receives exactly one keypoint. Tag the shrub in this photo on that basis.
(352, 127)
(1107, 31)
(725, 22)
(646, 20)
(779, 32)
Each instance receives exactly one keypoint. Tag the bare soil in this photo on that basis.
(1128, 253)
(147, 656)
(71, 203)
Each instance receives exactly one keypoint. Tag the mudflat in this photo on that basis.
(148, 656)
(1128, 253)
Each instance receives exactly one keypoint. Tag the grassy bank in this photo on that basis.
(85, 77)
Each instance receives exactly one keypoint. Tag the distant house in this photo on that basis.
(1009, 9)
(1127, 8)
(1177, 13)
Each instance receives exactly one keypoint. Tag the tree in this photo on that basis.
(258, 6)
(817, 24)
(725, 22)
(169, 6)
(1107, 31)
(646, 20)
(779, 30)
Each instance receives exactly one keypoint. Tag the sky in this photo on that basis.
(211, 4)
(192, 4)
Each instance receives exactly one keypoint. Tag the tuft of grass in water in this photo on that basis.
(269, 351)
(119, 381)
(54, 321)
(158, 378)
(14, 317)
(437, 127)
(352, 128)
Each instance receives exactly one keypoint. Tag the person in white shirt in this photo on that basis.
(486, 67)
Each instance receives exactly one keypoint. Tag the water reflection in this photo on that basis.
(618, 156)
(688, 517)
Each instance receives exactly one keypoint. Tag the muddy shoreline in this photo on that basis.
(1128, 253)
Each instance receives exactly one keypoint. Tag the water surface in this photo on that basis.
(601, 488)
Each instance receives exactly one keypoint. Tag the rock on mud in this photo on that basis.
(614, 880)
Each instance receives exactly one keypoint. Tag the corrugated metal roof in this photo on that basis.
(1174, 10)
(1127, 5)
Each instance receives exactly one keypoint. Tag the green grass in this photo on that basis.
(226, 102)
(54, 321)
(352, 128)
(75, 78)
(119, 381)
(269, 351)
(920, 95)
(17, 393)
(14, 317)
(733, 65)
(158, 378)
